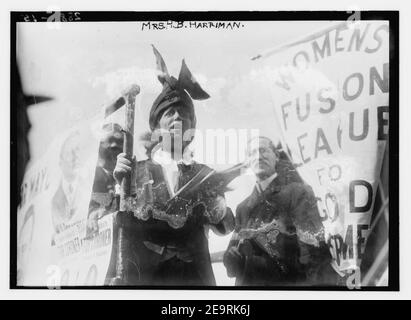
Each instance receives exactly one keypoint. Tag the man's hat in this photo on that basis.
(181, 91)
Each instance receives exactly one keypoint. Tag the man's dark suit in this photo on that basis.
(103, 194)
(284, 259)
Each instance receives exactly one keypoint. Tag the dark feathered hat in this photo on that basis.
(181, 91)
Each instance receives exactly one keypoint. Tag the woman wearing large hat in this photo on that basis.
(170, 241)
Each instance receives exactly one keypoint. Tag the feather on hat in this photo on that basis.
(181, 90)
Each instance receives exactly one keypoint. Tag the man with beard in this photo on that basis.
(170, 241)
(279, 237)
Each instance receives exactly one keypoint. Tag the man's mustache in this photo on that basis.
(260, 160)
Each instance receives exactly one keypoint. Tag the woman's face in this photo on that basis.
(176, 120)
(173, 124)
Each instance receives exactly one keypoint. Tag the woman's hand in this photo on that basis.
(123, 166)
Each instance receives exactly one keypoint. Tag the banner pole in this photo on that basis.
(121, 218)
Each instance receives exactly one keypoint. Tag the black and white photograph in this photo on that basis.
(204, 150)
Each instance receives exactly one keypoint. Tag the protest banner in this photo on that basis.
(330, 100)
(54, 247)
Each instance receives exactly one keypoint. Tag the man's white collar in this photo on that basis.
(262, 185)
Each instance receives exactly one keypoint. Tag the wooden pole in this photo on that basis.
(130, 98)
(121, 218)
